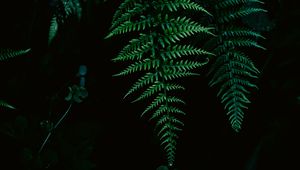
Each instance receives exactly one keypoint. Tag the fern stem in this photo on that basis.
(63, 116)
(45, 141)
(55, 126)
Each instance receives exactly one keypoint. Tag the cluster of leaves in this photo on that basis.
(158, 53)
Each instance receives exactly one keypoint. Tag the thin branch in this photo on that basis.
(55, 126)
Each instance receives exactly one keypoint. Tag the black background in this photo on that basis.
(120, 139)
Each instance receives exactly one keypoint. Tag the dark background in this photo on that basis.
(106, 131)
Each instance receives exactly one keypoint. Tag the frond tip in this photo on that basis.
(52, 29)
(5, 104)
(9, 53)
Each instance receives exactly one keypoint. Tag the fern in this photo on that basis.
(232, 69)
(157, 54)
(67, 8)
(63, 10)
(5, 104)
(52, 30)
(4, 55)
(9, 53)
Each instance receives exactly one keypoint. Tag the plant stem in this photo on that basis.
(63, 116)
(55, 126)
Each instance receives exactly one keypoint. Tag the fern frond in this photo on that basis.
(156, 53)
(239, 59)
(234, 75)
(156, 87)
(184, 65)
(67, 8)
(129, 26)
(53, 29)
(174, 5)
(126, 16)
(233, 71)
(168, 76)
(232, 3)
(179, 28)
(135, 49)
(166, 109)
(124, 7)
(160, 99)
(234, 43)
(178, 51)
(240, 32)
(135, 45)
(147, 79)
(236, 14)
(9, 53)
(5, 104)
(145, 65)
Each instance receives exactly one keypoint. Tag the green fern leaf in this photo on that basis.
(177, 51)
(146, 64)
(9, 53)
(129, 26)
(148, 78)
(169, 109)
(168, 76)
(52, 30)
(126, 16)
(69, 8)
(124, 7)
(234, 43)
(136, 53)
(184, 65)
(233, 3)
(156, 53)
(5, 104)
(240, 32)
(233, 71)
(156, 87)
(176, 4)
(236, 14)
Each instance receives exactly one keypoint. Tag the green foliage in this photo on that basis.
(4, 55)
(232, 69)
(63, 10)
(76, 94)
(67, 8)
(9, 53)
(5, 104)
(157, 54)
(53, 29)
